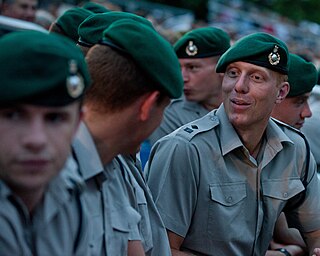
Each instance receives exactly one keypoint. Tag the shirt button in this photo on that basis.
(229, 199)
(285, 194)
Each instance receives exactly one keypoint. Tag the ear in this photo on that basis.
(283, 92)
(148, 103)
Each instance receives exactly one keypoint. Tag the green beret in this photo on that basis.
(202, 43)
(95, 8)
(150, 51)
(302, 76)
(260, 49)
(71, 19)
(41, 69)
(90, 30)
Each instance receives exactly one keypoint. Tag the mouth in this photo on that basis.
(34, 164)
(299, 125)
(239, 102)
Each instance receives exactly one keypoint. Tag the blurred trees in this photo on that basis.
(199, 7)
(296, 10)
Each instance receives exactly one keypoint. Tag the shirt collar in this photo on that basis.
(230, 139)
(86, 153)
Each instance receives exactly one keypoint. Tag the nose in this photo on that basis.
(35, 137)
(306, 112)
(241, 84)
(185, 75)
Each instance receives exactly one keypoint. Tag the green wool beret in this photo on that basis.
(41, 69)
(150, 51)
(260, 49)
(71, 19)
(302, 76)
(95, 8)
(202, 43)
(90, 30)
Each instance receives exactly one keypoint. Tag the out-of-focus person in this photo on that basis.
(19, 9)
(40, 110)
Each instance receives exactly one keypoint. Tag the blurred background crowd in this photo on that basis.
(237, 17)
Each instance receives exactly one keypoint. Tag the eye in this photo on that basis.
(257, 77)
(301, 102)
(192, 68)
(11, 114)
(232, 73)
(56, 117)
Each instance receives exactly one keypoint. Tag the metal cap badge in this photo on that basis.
(75, 84)
(191, 49)
(274, 57)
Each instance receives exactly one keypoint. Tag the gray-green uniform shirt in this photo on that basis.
(311, 125)
(179, 112)
(112, 220)
(57, 227)
(153, 232)
(209, 190)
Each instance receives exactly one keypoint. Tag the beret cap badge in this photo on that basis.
(274, 57)
(75, 84)
(191, 49)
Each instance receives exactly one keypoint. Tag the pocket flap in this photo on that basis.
(125, 219)
(282, 189)
(228, 194)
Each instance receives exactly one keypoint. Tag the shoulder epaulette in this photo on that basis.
(202, 124)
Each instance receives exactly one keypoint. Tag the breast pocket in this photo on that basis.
(145, 226)
(225, 208)
(124, 223)
(280, 191)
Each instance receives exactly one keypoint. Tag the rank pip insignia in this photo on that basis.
(75, 84)
(191, 49)
(274, 57)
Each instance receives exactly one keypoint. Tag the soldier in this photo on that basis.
(198, 51)
(221, 181)
(40, 110)
(153, 233)
(132, 84)
(294, 109)
(20, 9)
(67, 24)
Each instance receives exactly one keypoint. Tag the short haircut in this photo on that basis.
(117, 81)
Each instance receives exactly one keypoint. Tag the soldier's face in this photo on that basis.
(21, 9)
(34, 144)
(293, 110)
(201, 83)
(250, 93)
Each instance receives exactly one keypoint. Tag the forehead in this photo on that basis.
(37, 109)
(27, 2)
(197, 61)
(248, 67)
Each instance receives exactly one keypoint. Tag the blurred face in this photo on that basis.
(21, 9)
(293, 110)
(34, 144)
(201, 82)
(250, 93)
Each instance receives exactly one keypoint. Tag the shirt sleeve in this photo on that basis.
(306, 217)
(172, 175)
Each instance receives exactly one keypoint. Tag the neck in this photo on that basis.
(252, 140)
(213, 103)
(31, 198)
(111, 134)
